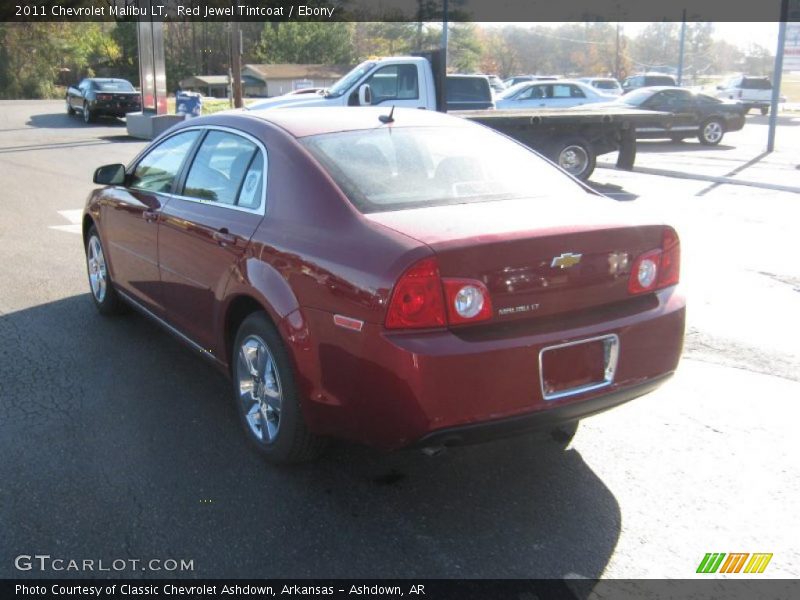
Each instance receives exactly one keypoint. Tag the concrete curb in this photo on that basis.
(709, 178)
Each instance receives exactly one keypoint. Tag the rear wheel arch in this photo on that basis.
(238, 309)
(88, 223)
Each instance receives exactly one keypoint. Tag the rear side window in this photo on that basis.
(157, 171)
(219, 168)
(756, 83)
(467, 89)
(534, 92)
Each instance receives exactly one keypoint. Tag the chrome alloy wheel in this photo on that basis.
(573, 159)
(96, 264)
(259, 388)
(713, 132)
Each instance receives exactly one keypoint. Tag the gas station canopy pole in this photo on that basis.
(776, 77)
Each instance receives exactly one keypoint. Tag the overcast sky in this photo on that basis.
(741, 34)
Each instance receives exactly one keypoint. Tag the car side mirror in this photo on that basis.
(110, 175)
(364, 95)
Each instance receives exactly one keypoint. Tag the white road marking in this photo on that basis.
(74, 217)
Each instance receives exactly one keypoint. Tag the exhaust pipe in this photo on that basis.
(433, 450)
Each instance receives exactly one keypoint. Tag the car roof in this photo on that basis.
(302, 122)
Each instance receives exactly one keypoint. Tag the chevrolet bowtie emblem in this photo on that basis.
(566, 260)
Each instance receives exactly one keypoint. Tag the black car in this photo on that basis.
(95, 97)
(692, 114)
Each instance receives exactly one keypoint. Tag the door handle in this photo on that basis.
(223, 237)
(150, 215)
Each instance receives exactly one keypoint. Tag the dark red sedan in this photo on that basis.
(413, 279)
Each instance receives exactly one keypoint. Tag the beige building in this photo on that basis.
(279, 79)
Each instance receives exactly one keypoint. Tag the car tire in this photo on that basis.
(765, 110)
(88, 115)
(564, 434)
(266, 395)
(70, 110)
(101, 288)
(711, 132)
(577, 157)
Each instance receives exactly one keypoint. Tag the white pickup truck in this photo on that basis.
(570, 138)
(753, 92)
(402, 81)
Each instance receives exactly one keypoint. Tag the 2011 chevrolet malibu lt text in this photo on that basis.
(404, 279)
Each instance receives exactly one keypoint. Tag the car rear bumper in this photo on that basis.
(115, 111)
(391, 390)
(537, 421)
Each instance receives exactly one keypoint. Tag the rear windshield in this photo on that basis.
(756, 83)
(659, 80)
(401, 168)
(467, 88)
(605, 84)
(118, 85)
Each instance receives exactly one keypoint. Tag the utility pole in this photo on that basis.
(776, 77)
(616, 57)
(683, 40)
(444, 34)
(236, 64)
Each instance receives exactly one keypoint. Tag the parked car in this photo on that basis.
(420, 280)
(520, 78)
(550, 94)
(752, 92)
(693, 114)
(97, 97)
(607, 85)
(635, 82)
(497, 85)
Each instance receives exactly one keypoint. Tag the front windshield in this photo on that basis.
(514, 89)
(401, 168)
(636, 97)
(346, 82)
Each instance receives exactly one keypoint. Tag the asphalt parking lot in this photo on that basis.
(119, 443)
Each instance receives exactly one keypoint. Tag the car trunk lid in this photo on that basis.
(535, 257)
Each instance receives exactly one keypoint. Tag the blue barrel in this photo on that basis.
(188, 103)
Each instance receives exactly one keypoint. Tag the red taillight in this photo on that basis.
(104, 96)
(422, 298)
(417, 299)
(670, 259)
(657, 268)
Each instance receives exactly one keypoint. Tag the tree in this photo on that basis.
(464, 48)
(656, 46)
(306, 43)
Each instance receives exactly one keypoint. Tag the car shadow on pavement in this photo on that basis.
(65, 121)
(119, 441)
(689, 145)
(792, 120)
